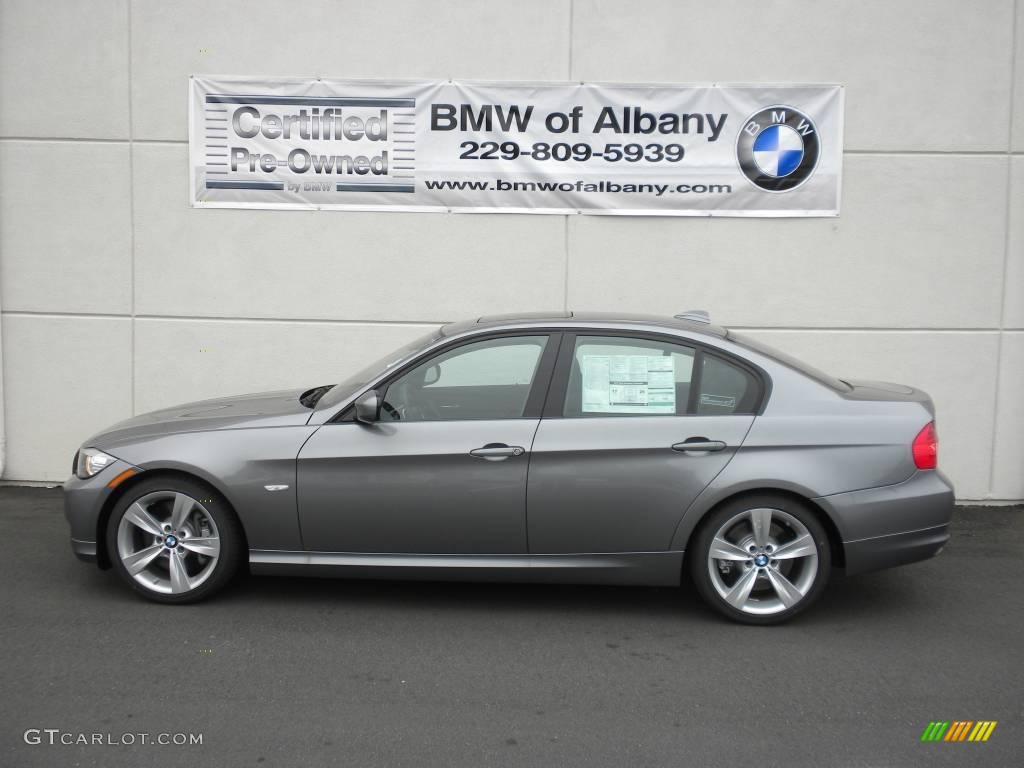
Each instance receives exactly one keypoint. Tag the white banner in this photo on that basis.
(758, 150)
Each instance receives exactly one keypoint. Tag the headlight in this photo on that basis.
(90, 462)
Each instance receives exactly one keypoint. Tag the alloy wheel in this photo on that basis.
(168, 542)
(763, 561)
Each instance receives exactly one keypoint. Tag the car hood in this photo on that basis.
(266, 409)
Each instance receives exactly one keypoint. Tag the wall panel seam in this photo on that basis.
(1015, 109)
(435, 322)
(565, 233)
(572, 16)
(131, 214)
(213, 318)
(1008, 213)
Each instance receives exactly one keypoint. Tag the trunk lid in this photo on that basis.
(887, 391)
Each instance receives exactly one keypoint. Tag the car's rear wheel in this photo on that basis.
(174, 540)
(761, 559)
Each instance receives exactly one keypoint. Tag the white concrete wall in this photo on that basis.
(112, 285)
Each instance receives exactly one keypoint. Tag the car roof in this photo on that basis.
(561, 318)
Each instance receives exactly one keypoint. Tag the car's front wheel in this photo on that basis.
(760, 559)
(174, 540)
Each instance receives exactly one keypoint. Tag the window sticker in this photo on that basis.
(643, 384)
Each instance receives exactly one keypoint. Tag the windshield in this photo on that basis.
(357, 381)
(808, 370)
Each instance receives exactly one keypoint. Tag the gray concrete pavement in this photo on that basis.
(305, 672)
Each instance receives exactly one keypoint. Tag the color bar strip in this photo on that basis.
(244, 184)
(376, 188)
(310, 101)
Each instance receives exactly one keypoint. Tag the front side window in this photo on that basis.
(617, 376)
(488, 379)
(358, 381)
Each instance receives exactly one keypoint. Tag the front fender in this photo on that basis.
(239, 463)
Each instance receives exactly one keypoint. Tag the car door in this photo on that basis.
(635, 428)
(443, 471)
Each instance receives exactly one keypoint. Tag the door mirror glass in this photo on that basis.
(368, 407)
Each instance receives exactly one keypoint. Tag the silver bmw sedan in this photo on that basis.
(558, 447)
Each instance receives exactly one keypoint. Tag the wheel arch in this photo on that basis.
(685, 536)
(102, 556)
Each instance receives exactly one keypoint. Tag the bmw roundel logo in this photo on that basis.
(778, 148)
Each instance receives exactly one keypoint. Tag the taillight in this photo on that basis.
(926, 447)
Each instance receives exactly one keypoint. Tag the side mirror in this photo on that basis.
(368, 407)
(432, 375)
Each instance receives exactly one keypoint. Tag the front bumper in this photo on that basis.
(84, 550)
(895, 524)
(83, 503)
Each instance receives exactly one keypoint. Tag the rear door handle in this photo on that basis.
(699, 444)
(497, 451)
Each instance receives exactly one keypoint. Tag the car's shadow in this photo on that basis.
(876, 595)
(915, 589)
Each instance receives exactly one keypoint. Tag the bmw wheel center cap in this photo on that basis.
(171, 541)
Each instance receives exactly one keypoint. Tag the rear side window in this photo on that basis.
(613, 375)
(725, 388)
(623, 376)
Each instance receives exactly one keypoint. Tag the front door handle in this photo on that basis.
(497, 451)
(698, 444)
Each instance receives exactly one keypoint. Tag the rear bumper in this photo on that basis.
(898, 549)
(895, 524)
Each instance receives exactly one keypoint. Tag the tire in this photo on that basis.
(174, 540)
(746, 583)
